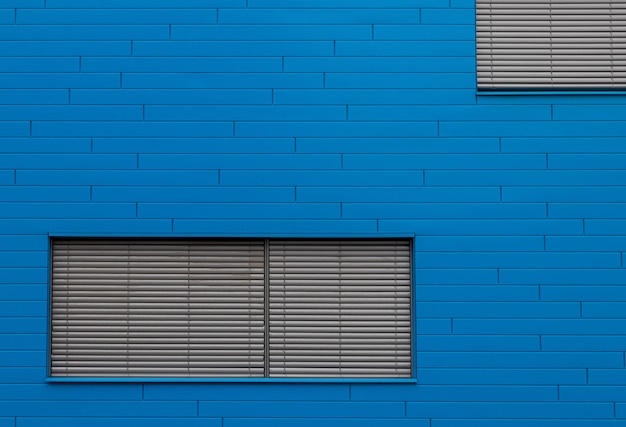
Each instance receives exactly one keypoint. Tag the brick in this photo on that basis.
(372, 96)
(33, 96)
(19, 375)
(43, 193)
(564, 145)
(239, 161)
(531, 423)
(68, 161)
(563, 194)
(506, 342)
(589, 393)
(116, 177)
(587, 210)
(25, 341)
(23, 3)
(65, 48)
(18, 242)
(502, 376)
(588, 112)
(365, 4)
(180, 64)
(58, 80)
(25, 408)
(518, 260)
(393, 194)
(157, 194)
(536, 178)
(67, 210)
(478, 227)
(588, 276)
(285, 31)
(24, 292)
(87, 227)
(320, 16)
(22, 359)
(125, 129)
(244, 392)
(222, 80)
(239, 210)
(444, 161)
(433, 276)
(448, 16)
(447, 112)
(7, 177)
(150, 15)
(241, 113)
(145, 421)
(399, 80)
(405, 48)
(499, 310)
(444, 210)
(314, 178)
(607, 376)
(334, 129)
(192, 145)
(14, 128)
(23, 275)
(583, 293)
(233, 48)
(556, 326)
(169, 97)
(34, 64)
(12, 329)
(605, 227)
(475, 293)
(23, 259)
(366, 64)
(68, 112)
(304, 228)
(336, 422)
(84, 32)
(510, 410)
(7, 16)
(301, 409)
(539, 129)
(610, 310)
(453, 393)
(479, 243)
(424, 32)
(585, 342)
(433, 327)
(587, 161)
(509, 359)
(582, 243)
(143, 4)
(388, 145)
(76, 392)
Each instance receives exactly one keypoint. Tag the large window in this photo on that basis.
(231, 308)
(551, 44)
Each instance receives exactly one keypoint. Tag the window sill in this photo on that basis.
(231, 380)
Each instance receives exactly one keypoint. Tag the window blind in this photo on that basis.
(551, 44)
(157, 308)
(339, 309)
(230, 308)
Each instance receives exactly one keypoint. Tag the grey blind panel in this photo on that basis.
(340, 308)
(157, 308)
(551, 44)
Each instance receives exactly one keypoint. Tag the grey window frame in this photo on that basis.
(306, 331)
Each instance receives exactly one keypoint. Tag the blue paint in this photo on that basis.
(327, 118)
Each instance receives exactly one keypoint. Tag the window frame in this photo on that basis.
(266, 379)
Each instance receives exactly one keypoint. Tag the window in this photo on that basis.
(551, 44)
(231, 308)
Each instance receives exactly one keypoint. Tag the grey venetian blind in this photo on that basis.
(551, 44)
(147, 308)
(339, 308)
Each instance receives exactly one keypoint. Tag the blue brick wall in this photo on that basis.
(318, 118)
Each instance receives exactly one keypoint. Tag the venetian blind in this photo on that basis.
(551, 44)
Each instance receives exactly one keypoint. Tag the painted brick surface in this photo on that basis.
(318, 118)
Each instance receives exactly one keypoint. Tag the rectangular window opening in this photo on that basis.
(234, 308)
